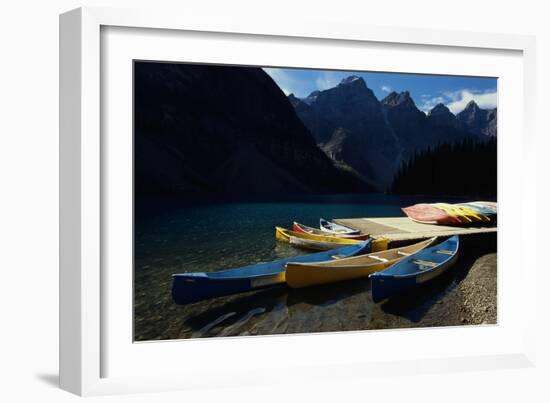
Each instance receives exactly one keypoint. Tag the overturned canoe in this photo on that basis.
(415, 269)
(331, 227)
(428, 214)
(463, 213)
(297, 227)
(306, 274)
(477, 208)
(490, 206)
(454, 211)
(188, 288)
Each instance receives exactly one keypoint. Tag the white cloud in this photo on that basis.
(456, 101)
(386, 88)
(485, 100)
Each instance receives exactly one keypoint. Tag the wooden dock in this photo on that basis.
(398, 229)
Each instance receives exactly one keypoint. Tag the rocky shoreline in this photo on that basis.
(479, 292)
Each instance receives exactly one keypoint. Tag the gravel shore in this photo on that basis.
(479, 292)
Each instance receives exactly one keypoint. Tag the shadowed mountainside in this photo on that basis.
(224, 131)
(348, 123)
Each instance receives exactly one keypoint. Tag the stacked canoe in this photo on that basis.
(477, 212)
(342, 254)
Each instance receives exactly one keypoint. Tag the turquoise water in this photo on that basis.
(174, 237)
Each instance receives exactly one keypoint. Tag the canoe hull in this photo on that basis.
(312, 241)
(304, 229)
(386, 287)
(317, 242)
(402, 276)
(463, 213)
(299, 275)
(188, 288)
(331, 227)
(312, 244)
(479, 208)
(428, 214)
(308, 277)
(451, 214)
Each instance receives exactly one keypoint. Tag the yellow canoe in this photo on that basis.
(322, 242)
(464, 214)
(299, 275)
(471, 213)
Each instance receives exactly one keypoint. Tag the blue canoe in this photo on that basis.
(188, 288)
(414, 269)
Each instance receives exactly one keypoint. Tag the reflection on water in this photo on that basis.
(171, 238)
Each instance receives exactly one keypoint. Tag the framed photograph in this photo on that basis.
(237, 198)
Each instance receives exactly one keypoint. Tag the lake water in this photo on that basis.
(173, 237)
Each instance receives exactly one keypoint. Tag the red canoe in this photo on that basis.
(428, 214)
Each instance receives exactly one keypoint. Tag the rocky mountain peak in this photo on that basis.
(352, 80)
(472, 106)
(441, 116)
(394, 99)
(477, 120)
(390, 98)
(439, 109)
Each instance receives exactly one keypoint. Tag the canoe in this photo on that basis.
(478, 208)
(464, 214)
(485, 204)
(471, 213)
(311, 241)
(188, 288)
(297, 227)
(416, 269)
(427, 214)
(306, 274)
(328, 226)
(454, 211)
(321, 242)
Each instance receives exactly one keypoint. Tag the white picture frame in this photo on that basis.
(84, 303)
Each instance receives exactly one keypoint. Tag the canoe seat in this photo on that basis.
(444, 252)
(425, 263)
(403, 253)
(380, 259)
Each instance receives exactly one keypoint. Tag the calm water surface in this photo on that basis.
(174, 237)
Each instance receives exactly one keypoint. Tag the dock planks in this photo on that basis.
(404, 229)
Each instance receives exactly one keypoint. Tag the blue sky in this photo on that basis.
(426, 90)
